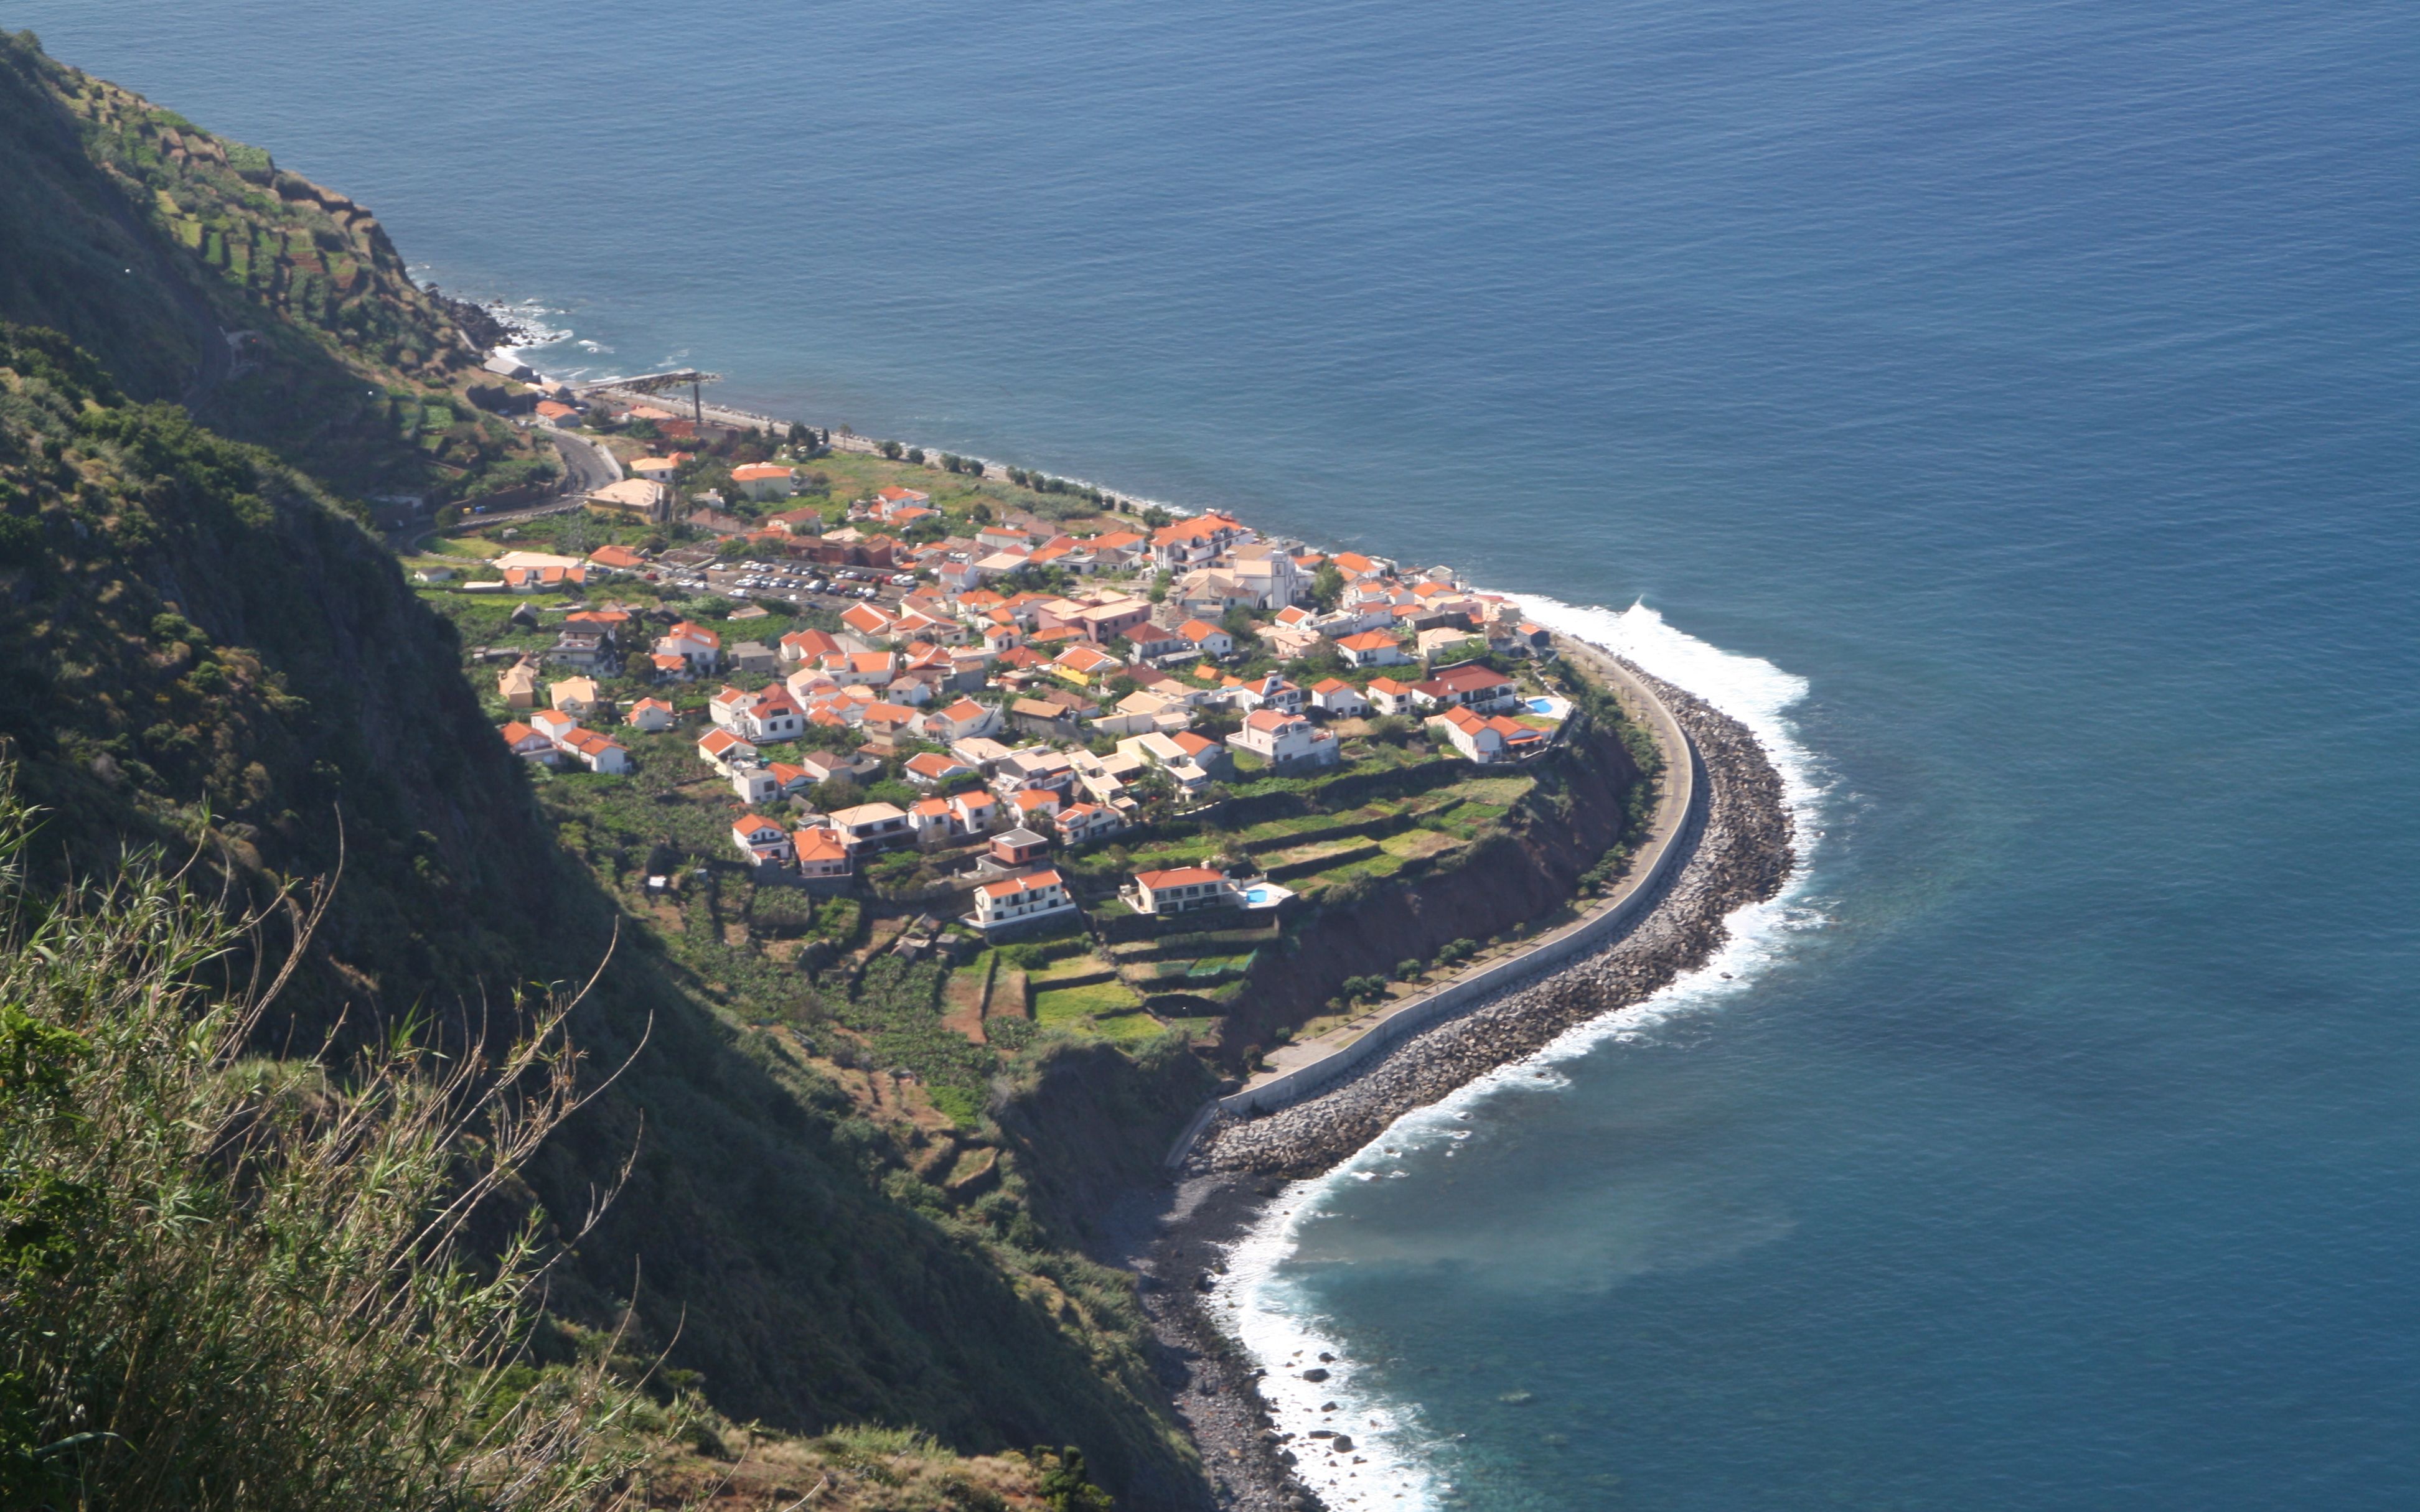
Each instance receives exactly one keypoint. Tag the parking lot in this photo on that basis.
(791, 583)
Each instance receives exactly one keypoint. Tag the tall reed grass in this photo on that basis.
(234, 1281)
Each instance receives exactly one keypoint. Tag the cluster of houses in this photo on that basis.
(553, 737)
(972, 690)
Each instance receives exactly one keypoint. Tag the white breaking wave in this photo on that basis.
(532, 326)
(1394, 1464)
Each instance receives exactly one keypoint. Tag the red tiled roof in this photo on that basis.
(1182, 876)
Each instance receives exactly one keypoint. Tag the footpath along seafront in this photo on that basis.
(1300, 1071)
(1734, 846)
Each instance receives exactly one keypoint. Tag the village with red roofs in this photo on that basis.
(994, 713)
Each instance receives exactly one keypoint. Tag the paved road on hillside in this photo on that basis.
(586, 465)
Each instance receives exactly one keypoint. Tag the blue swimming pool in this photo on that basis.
(1546, 706)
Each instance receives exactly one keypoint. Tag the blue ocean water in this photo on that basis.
(2032, 382)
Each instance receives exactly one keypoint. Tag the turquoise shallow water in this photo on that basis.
(2034, 381)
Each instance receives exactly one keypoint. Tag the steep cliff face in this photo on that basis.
(201, 648)
(275, 309)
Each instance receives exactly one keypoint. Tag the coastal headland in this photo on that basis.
(1716, 836)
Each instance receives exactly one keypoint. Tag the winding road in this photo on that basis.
(586, 466)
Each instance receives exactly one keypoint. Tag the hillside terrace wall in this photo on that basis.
(1678, 807)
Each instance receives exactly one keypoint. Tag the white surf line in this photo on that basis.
(1397, 1462)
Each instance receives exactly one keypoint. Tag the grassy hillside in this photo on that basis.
(202, 647)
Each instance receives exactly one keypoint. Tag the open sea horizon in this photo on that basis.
(2009, 411)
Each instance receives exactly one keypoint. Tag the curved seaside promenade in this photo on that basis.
(1723, 842)
(1730, 846)
(1303, 1070)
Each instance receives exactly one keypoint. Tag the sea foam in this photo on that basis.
(1397, 1463)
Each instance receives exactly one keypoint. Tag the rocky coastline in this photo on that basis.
(1742, 852)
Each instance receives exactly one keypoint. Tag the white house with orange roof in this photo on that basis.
(1033, 807)
(867, 669)
(530, 745)
(772, 716)
(1389, 696)
(807, 645)
(651, 717)
(1486, 738)
(1206, 638)
(1339, 698)
(724, 708)
(1372, 648)
(553, 723)
(1189, 543)
(1181, 890)
(1082, 664)
(694, 643)
(931, 769)
(820, 851)
(765, 480)
(1270, 692)
(930, 821)
(762, 841)
(1081, 823)
(869, 622)
(1286, 740)
(977, 812)
(961, 720)
(1020, 901)
(724, 750)
(597, 751)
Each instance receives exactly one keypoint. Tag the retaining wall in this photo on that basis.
(1672, 832)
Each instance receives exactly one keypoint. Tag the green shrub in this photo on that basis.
(234, 1283)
